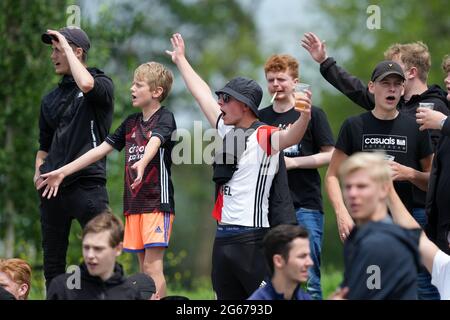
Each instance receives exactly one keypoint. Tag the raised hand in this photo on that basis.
(315, 47)
(61, 43)
(178, 47)
(52, 181)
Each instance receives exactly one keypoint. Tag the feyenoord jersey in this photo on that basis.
(155, 193)
(244, 199)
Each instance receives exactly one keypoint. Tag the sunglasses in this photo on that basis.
(225, 97)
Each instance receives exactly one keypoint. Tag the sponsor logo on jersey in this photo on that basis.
(371, 142)
(158, 230)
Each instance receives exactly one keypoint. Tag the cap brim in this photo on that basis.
(388, 73)
(46, 38)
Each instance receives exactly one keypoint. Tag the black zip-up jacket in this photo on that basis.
(438, 202)
(358, 92)
(92, 288)
(71, 123)
(385, 251)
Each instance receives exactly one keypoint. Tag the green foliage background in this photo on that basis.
(223, 41)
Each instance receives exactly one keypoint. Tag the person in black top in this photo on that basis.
(313, 151)
(438, 202)
(99, 277)
(384, 128)
(74, 118)
(415, 60)
(381, 259)
(148, 198)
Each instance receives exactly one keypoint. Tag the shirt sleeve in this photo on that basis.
(118, 138)
(441, 274)
(344, 140)
(45, 133)
(322, 134)
(351, 86)
(263, 135)
(425, 148)
(165, 127)
(102, 94)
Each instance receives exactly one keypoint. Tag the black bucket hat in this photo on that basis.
(244, 90)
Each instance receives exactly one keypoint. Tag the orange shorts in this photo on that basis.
(147, 230)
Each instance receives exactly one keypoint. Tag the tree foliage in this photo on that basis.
(220, 36)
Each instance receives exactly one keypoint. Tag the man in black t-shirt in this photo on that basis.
(313, 151)
(384, 128)
(415, 60)
(75, 117)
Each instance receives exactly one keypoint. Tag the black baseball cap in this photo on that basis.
(142, 283)
(74, 35)
(385, 68)
(244, 90)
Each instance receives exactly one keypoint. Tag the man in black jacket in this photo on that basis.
(99, 277)
(75, 117)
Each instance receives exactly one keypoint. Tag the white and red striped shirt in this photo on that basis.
(244, 199)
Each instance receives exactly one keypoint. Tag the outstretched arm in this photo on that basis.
(313, 161)
(195, 84)
(339, 78)
(54, 178)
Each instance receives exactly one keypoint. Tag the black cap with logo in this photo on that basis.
(385, 68)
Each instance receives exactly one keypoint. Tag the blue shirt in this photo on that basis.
(268, 293)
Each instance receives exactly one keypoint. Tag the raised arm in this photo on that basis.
(349, 85)
(195, 84)
(80, 74)
(54, 178)
(344, 220)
